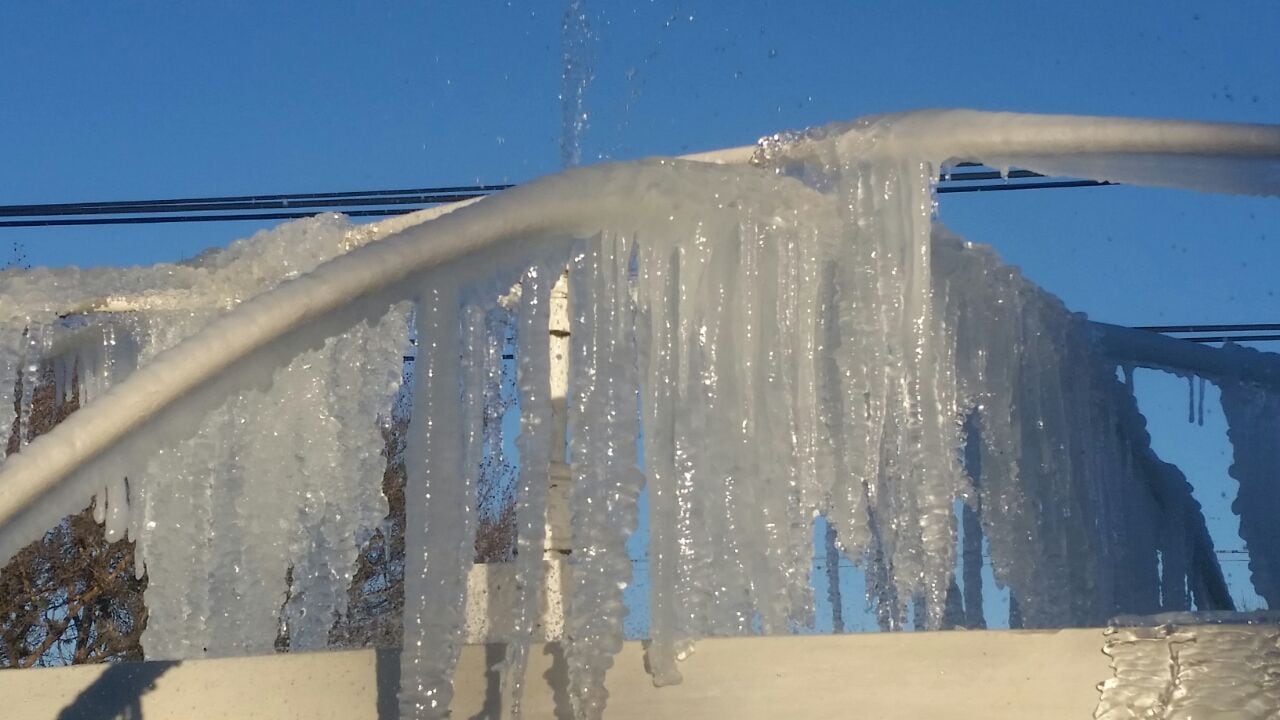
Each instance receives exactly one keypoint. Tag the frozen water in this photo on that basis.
(253, 492)
(785, 341)
(439, 500)
(1253, 418)
(1192, 665)
(606, 481)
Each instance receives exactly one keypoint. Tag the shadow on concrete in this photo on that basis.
(557, 677)
(117, 693)
(494, 654)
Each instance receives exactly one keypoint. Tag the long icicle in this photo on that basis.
(534, 444)
(439, 511)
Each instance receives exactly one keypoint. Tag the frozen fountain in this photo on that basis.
(758, 337)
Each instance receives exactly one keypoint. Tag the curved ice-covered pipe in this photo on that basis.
(34, 487)
(1212, 157)
(40, 484)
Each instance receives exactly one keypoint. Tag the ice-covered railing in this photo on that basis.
(1188, 665)
(789, 339)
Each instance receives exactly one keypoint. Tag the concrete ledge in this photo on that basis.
(980, 675)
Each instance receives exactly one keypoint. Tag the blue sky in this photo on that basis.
(141, 100)
(131, 100)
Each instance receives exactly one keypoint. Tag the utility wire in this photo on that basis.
(980, 180)
(158, 219)
(1230, 332)
(965, 177)
(215, 209)
(291, 203)
(970, 177)
(1232, 338)
(233, 202)
(1236, 327)
(943, 189)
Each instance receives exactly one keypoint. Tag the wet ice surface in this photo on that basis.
(1193, 665)
(752, 347)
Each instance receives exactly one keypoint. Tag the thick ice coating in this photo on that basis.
(286, 479)
(753, 347)
(1179, 666)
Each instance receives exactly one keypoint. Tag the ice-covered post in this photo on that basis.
(559, 536)
(490, 587)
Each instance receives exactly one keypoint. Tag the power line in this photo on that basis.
(1046, 185)
(237, 207)
(158, 219)
(1227, 332)
(1201, 328)
(971, 177)
(1232, 338)
(294, 199)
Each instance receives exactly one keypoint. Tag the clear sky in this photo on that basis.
(134, 100)
(143, 100)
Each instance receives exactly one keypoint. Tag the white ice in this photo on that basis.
(792, 339)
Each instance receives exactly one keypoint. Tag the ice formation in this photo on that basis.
(220, 515)
(753, 347)
(1253, 417)
(1193, 665)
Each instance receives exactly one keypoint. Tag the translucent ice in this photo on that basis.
(785, 341)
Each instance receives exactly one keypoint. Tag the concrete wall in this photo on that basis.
(955, 675)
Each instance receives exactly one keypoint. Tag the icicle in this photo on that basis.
(30, 378)
(117, 508)
(177, 540)
(439, 510)
(1191, 399)
(658, 285)
(59, 381)
(12, 341)
(321, 547)
(606, 481)
(1200, 409)
(249, 543)
(534, 444)
(333, 406)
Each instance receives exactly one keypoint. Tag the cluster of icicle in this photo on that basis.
(752, 347)
(782, 349)
(284, 478)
